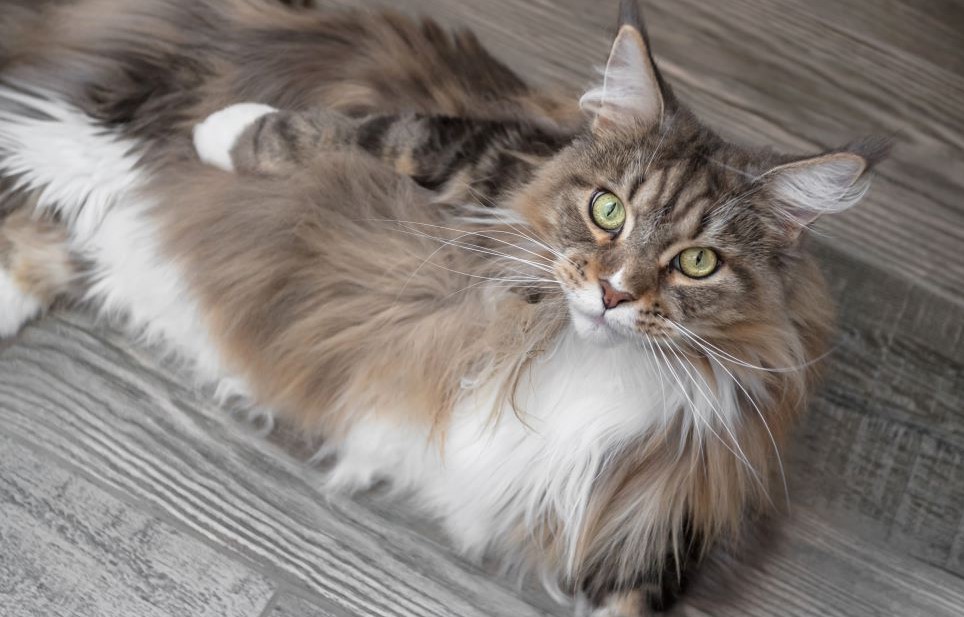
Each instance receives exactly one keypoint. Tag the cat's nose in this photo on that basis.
(613, 297)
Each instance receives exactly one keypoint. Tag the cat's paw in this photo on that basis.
(348, 477)
(17, 307)
(215, 136)
(626, 604)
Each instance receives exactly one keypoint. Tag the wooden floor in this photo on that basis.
(124, 492)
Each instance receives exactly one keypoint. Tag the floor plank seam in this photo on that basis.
(272, 601)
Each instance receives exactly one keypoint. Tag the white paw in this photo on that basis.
(16, 306)
(350, 477)
(216, 135)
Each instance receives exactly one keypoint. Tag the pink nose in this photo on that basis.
(611, 296)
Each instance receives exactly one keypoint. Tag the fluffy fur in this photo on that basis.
(460, 350)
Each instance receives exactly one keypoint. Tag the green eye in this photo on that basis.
(607, 211)
(697, 262)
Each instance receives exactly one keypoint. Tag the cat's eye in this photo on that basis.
(607, 211)
(697, 262)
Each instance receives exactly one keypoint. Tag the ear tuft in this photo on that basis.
(825, 184)
(629, 15)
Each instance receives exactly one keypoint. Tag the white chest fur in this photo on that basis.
(580, 404)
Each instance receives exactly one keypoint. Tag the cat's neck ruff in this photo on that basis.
(591, 392)
(579, 408)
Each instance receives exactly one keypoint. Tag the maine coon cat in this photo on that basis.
(578, 340)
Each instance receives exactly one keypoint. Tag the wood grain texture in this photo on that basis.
(68, 547)
(813, 569)
(884, 441)
(293, 606)
(130, 426)
(801, 76)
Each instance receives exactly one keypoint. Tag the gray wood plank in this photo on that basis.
(884, 441)
(783, 74)
(813, 569)
(69, 548)
(107, 409)
(293, 606)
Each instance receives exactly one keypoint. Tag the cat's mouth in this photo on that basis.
(598, 327)
(610, 327)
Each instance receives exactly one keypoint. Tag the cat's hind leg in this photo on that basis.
(35, 268)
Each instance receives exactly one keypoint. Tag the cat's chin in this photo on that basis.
(595, 330)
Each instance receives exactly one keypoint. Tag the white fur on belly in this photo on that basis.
(91, 178)
(214, 138)
(16, 306)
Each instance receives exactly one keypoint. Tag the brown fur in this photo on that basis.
(34, 252)
(314, 247)
(327, 306)
(204, 56)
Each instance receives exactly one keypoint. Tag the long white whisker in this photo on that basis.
(659, 374)
(466, 234)
(713, 403)
(480, 234)
(474, 247)
(488, 278)
(731, 358)
(543, 289)
(435, 252)
(759, 412)
(493, 209)
(698, 415)
(679, 382)
(659, 145)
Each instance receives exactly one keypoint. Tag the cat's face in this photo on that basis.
(666, 230)
(652, 241)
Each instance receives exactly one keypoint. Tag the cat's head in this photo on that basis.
(665, 227)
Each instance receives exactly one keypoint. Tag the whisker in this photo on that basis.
(731, 168)
(706, 424)
(766, 425)
(494, 209)
(474, 247)
(659, 145)
(700, 419)
(714, 407)
(685, 393)
(480, 234)
(489, 278)
(428, 259)
(543, 289)
(727, 356)
(659, 374)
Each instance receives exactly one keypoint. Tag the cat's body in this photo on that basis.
(446, 334)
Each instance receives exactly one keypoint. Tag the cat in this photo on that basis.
(578, 339)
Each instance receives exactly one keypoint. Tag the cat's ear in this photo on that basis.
(631, 94)
(825, 184)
